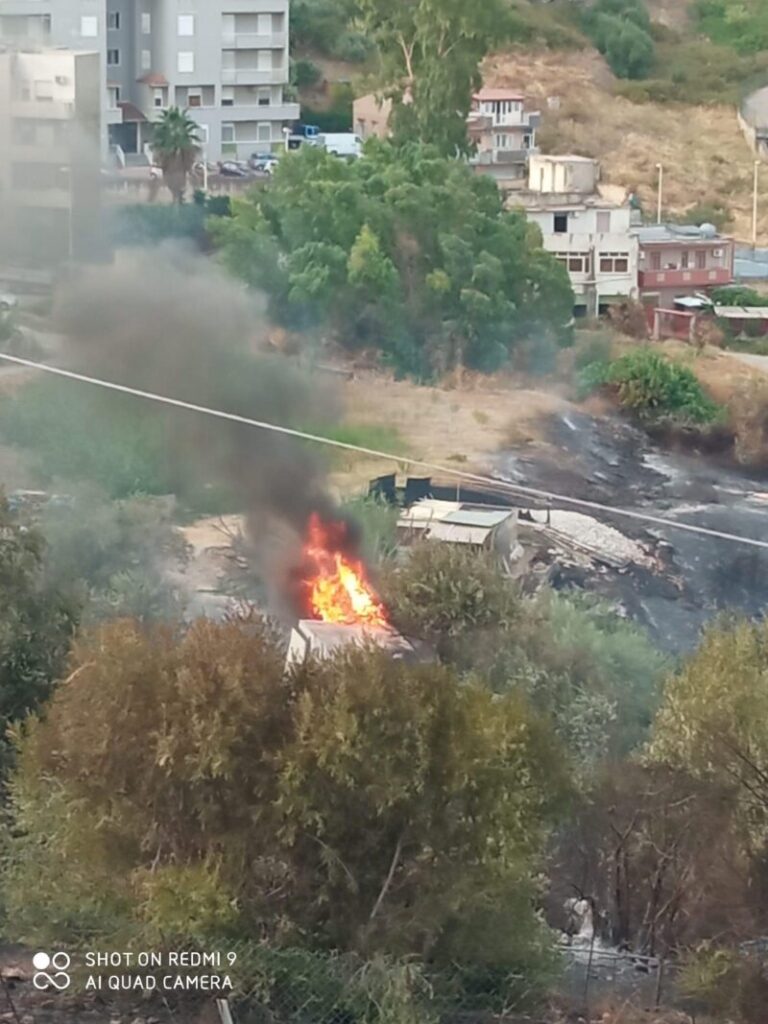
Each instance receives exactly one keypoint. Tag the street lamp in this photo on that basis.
(754, 204)
(659, 191)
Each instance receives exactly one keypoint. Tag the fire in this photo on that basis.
(337, 587)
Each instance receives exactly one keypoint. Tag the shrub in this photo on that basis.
(654, 388)
(629, 50)
(710, 212)
(305, 73)
(729, 984)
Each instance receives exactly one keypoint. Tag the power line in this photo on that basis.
(476, 478)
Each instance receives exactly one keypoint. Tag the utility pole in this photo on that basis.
(754, 204)
(659, 192)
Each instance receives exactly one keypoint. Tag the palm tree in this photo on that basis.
(175, 145)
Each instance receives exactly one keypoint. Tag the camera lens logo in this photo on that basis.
(59, 962)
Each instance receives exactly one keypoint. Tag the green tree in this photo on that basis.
(713, 720)
(430, 53)
(620, 29)
(182, 786)
(593, 675)
(403, 250)
(175, 147)
(37, 622)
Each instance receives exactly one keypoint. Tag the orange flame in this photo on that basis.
(337, 588)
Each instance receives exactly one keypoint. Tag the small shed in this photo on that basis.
(751, 320)
(452, 522)
(312, 637)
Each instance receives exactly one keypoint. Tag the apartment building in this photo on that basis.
(50, 125)
(682, 260)
(592, 237)
(78, 25)
(504, 134)
(224, 60)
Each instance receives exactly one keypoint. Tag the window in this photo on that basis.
(227, 131)
(526, 142)
(614, 262)
(264, 132)
(186, 26)
(264, 24)
(89, 26)
(603, 221)
(264, 97)
(146, 23)
(113, 58)
(194, 98)
(203, 132)
(158, 98)
(113, 20)
(43, 90)
(684, 260)
(185, 62)
(701, 259)
(227, 96)
(656, 260)
(146, 60)
(500, 140)
(264, 60)
(561, 223)
(576, 263)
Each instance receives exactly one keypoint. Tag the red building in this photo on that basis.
(681, 259)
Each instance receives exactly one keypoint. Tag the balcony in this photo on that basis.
(252, 76)
(254, 41)
(253, 112)
(502, 156)
(692, 277)
(48, 110)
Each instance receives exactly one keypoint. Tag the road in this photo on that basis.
(759, 362)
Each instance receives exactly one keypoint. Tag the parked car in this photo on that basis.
(7, 302)
(233, 169)
(264, 163)
(342, 144)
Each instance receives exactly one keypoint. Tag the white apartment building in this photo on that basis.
(50, 121)
(589, 235)
(224, 60)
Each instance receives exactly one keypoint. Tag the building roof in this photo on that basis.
(454, 522)
(497, 94)
(571, 158)
(131, 113)
(661, 234)
(153, 78)
(311, 636)
(742, 312)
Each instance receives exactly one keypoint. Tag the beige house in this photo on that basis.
(370, 116)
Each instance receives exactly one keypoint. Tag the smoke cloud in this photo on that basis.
(168, 321)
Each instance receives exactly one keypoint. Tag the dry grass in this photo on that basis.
(702, 149)
(462, 426)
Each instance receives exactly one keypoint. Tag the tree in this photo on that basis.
(36, 624)
(182, 785)
(593, 675)
(403, 250)
(620, 29)
(175, 147)
(430, 53)
(713, 721)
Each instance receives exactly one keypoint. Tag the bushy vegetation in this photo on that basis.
(146, 224)
(359, 805)
(654, 388)
(402, 251)
(593, 675)
(620, 29)
(37, 622)
(741, 24)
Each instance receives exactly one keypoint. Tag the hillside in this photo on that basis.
(702, 149)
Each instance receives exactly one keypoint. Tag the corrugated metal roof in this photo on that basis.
(478, 517)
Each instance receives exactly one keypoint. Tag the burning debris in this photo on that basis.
(338, 601)
(335, 585)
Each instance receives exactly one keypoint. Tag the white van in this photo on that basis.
(342, 144)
